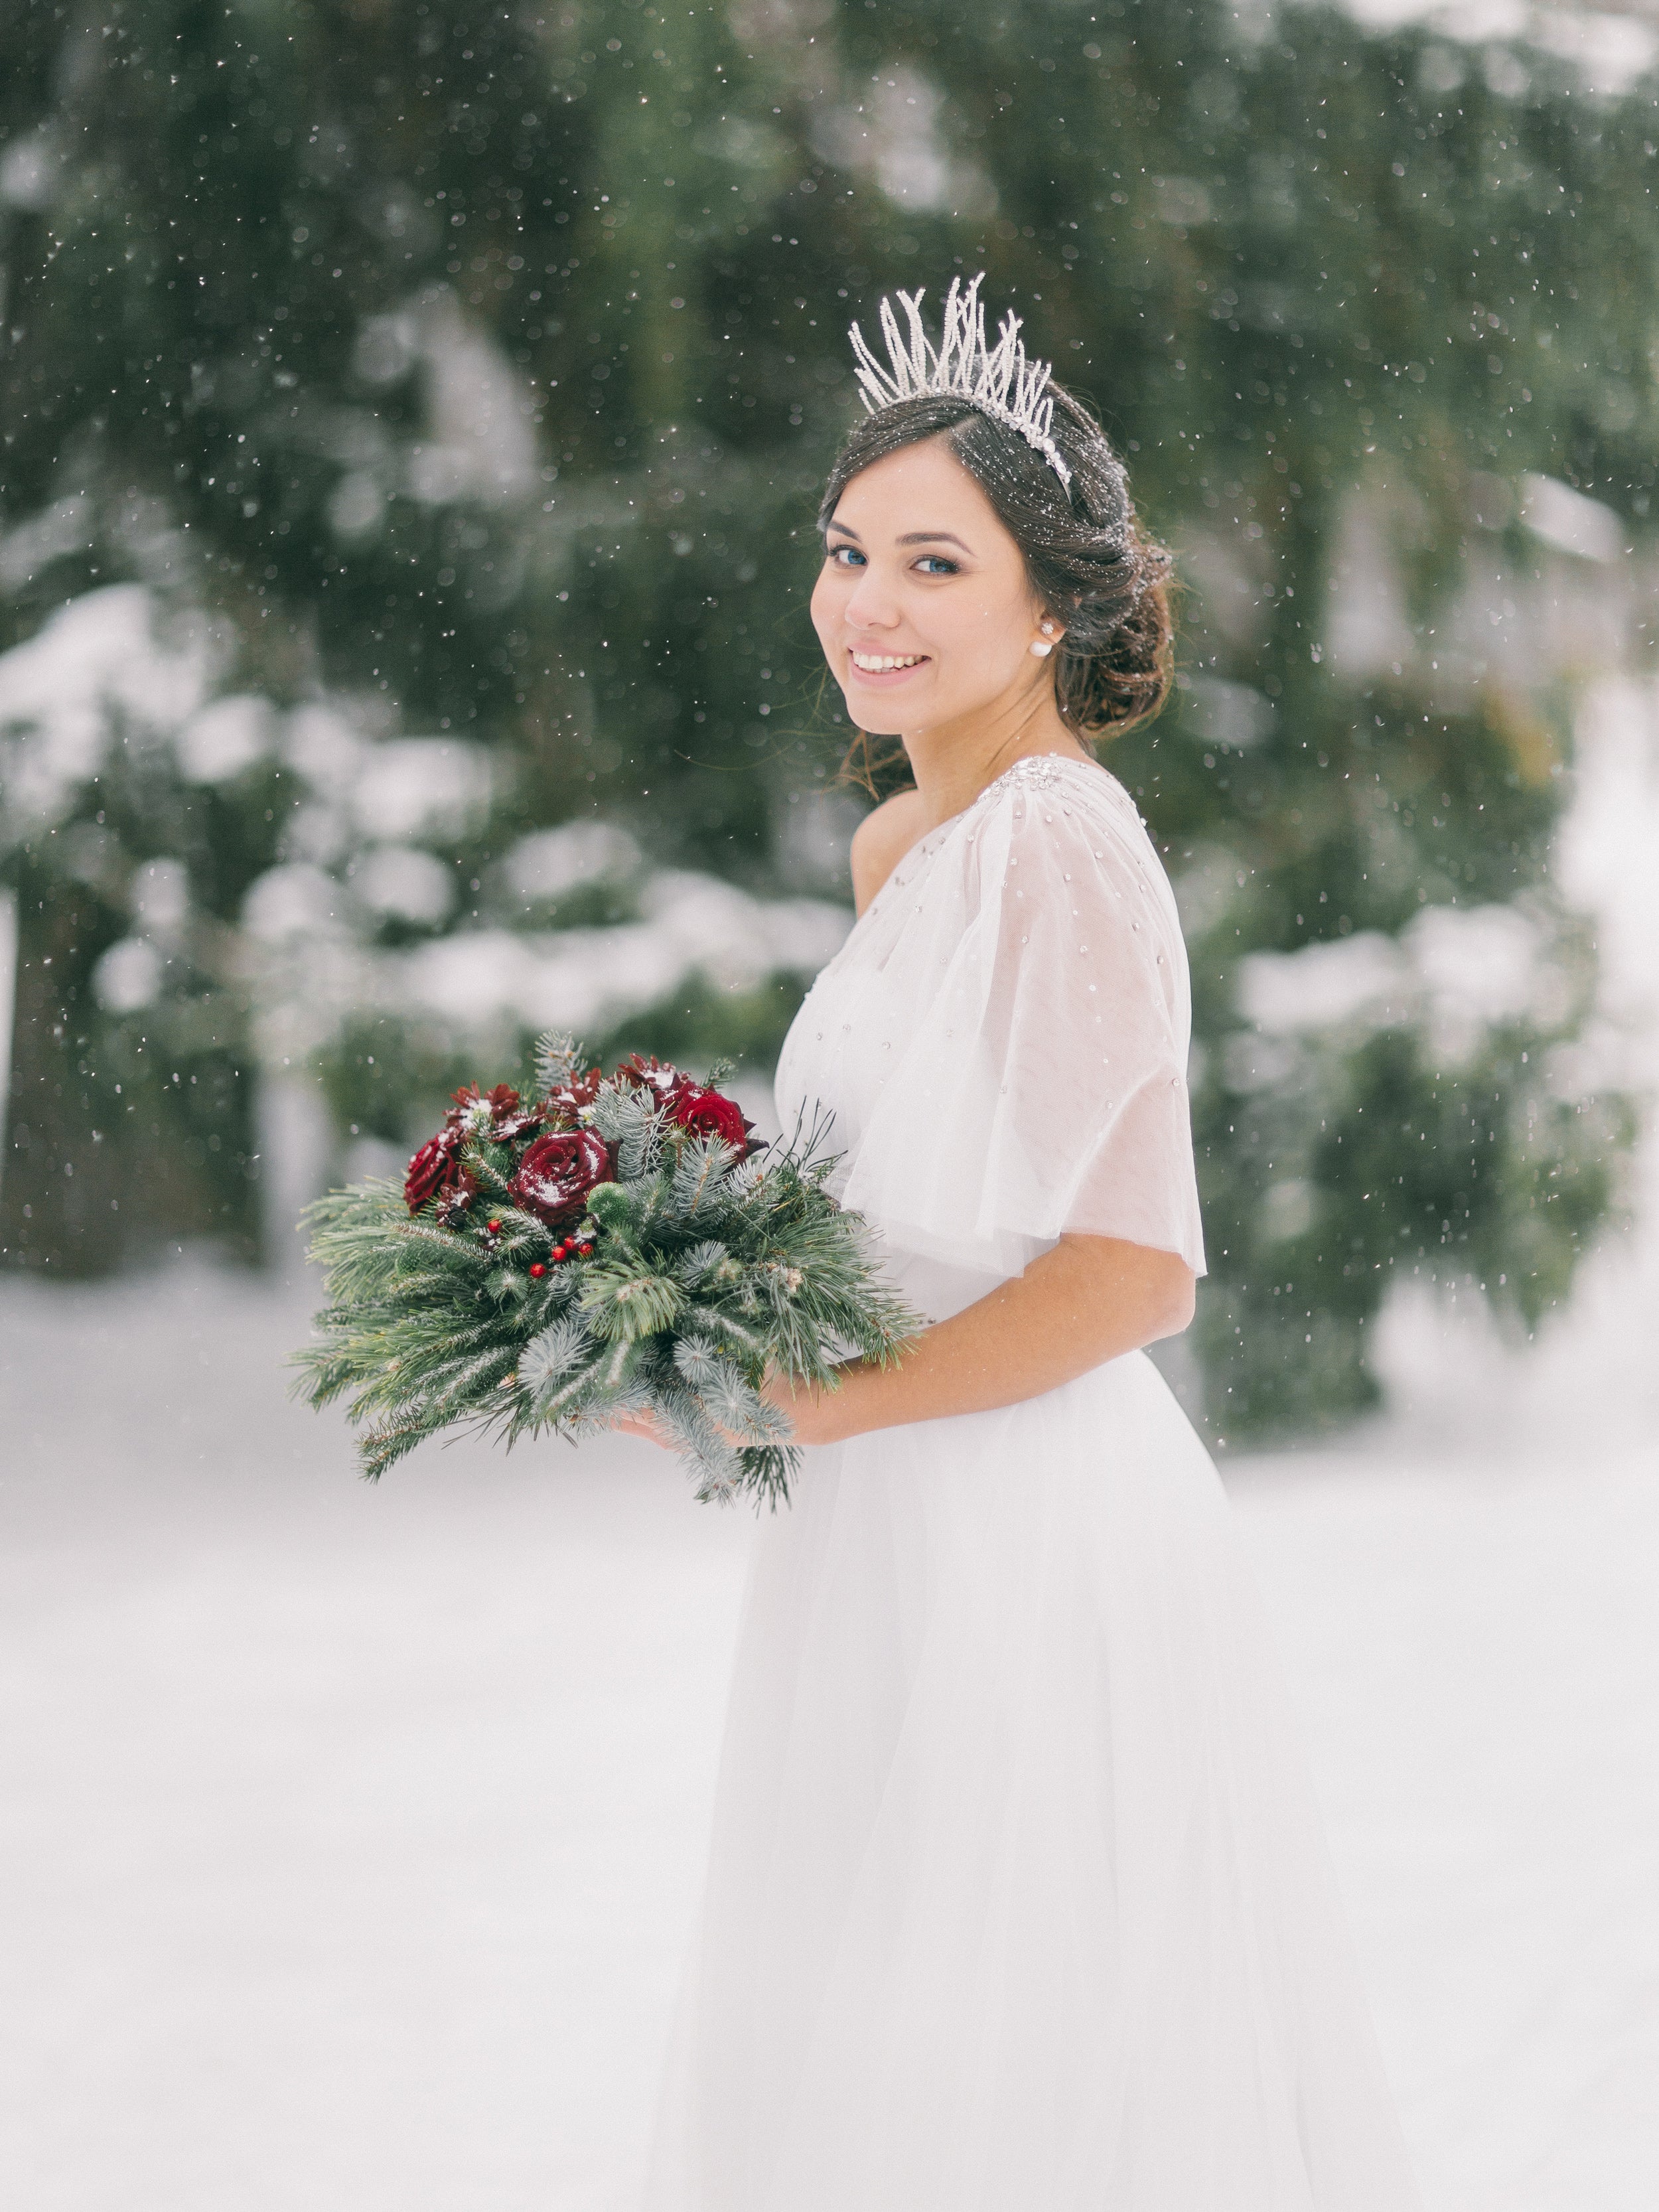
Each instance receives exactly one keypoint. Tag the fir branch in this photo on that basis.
(630, 1122)
(558, 1059)
(701, 1366)
(744, 1413)
(694, 1266)
(561, 1403)
(713, 1459)
(650, 1208)
(549, 1358)
(699, 1174)
(749, 1175)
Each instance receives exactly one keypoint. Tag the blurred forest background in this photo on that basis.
(412, 418)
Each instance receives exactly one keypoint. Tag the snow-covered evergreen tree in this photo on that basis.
(470, 369)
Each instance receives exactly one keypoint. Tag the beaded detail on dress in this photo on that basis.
(1035, 772)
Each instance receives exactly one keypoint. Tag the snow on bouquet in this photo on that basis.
(619, 1245)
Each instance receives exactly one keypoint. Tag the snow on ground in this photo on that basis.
(350, 1836)
(347, 1834)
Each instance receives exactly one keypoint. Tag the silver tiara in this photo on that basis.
(999, 381)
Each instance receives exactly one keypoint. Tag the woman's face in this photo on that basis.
(923, 607)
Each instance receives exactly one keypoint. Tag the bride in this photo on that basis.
(1019, 1901)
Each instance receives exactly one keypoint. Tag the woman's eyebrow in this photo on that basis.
(910, 537)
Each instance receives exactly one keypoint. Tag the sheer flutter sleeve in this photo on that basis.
(1034, 967)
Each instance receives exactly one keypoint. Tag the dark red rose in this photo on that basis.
(707, 1114)
(692, 1104)
(436, 1170)
(521, 1122)
(557, 1172)
(564, 1103)
(647, 1073)
(435, 1167)
(509, 1117)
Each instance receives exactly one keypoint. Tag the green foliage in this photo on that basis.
(1307, 273)
(1373, 1162)
(700, 1271)
(158, 1083)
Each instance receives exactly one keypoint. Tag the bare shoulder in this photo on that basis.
(881, 841)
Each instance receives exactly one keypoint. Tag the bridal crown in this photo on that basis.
(1000, 380)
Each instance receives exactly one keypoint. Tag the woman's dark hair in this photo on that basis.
(1089, 561)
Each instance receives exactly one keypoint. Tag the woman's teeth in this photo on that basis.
(874, 663)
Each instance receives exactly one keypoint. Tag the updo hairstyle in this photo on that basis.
(1089, 561)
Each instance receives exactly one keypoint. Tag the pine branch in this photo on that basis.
(383, 1447)
(767, 1471)
(629, 1303)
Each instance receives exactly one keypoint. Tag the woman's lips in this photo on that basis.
(885, 679)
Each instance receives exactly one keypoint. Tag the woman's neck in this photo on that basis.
(954, 762)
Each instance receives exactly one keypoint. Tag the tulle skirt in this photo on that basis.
(1019, 1901)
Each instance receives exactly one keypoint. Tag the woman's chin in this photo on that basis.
(877, 705)
(875, 716)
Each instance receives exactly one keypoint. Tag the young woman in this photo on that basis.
(1019, 1901)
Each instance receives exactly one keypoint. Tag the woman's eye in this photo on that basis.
(935, 564)
(845, 556)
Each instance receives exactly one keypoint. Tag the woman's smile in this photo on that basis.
(884, 669)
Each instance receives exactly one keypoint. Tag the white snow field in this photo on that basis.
(348, 1836)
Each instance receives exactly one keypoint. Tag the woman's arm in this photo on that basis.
(1089, 1300)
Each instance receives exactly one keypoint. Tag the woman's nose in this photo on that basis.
(870, 604)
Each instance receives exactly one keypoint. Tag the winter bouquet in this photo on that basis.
(618, 1245)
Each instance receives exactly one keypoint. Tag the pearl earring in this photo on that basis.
(1042, 645)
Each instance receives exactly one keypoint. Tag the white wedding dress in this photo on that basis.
(1019, 1901)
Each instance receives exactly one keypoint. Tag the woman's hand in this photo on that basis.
(644, 1424)
(813, 1416)
(816, 1416)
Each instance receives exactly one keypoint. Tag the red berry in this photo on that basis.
(536, 1268)
(493, 1227)
(586, 1251)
